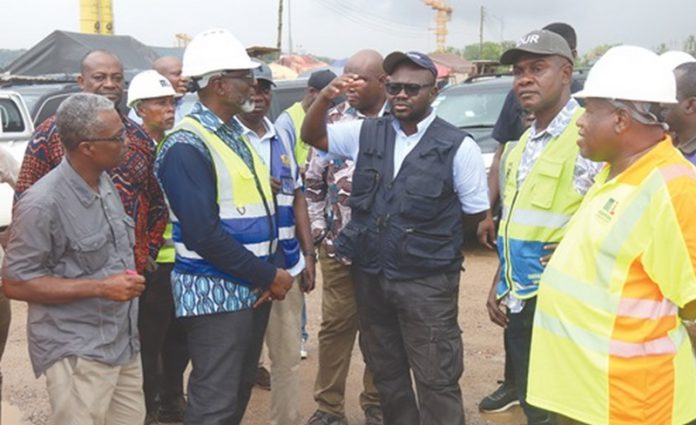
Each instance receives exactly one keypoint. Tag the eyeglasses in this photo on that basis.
(246, 75)
(411, 89)
(119, 138)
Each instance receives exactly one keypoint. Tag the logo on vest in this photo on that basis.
(285, 159)
(241, 210)
(608, 210)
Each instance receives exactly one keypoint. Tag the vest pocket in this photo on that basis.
(420, 200)
(364, 189)
(429, 250)
(546, 182)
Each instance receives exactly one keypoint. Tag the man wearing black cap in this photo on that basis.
(295, 251)
(512, 122)
(289, 122)
(416, 178)
(544, 180)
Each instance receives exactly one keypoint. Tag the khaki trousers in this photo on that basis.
(85, 392)
(283, 343)
(339, 326)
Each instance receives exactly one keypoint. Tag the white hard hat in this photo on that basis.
(630, 73)
(674, 58)
(214, 50)
(149, 84)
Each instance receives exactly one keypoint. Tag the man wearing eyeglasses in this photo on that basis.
(417, 180)
(224, 231)
(70, 256)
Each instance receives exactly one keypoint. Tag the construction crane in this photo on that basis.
(96, 17)
(444, 13)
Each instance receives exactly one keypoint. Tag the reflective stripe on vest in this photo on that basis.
(244, 199)
(297, 114)
(284, 166)
(536, 213)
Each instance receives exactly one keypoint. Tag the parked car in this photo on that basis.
(16, 129)
(474, 106)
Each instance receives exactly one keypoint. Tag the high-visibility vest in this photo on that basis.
(297, 114)
(167, 253)
(245, 201)
(283, 167)
(535, 214)
(607, 344)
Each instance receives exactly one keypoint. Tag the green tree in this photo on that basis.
(491, 50)
(589, 58)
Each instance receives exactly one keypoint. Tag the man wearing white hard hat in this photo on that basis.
(682, 116)
(224, 231)
(151, 97)
(610, 342)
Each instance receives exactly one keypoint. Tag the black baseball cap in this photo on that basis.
(419, 59)
(320, 79)
(538, 42)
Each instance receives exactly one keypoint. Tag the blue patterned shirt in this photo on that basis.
(186, 172)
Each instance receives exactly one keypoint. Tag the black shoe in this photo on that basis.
(503, 398)
(172, 411)
(323, 418)
(373, 416)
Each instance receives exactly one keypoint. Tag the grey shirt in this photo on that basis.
(62, 228)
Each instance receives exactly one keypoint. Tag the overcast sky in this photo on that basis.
(336, 28)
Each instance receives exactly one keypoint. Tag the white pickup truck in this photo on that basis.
(16, 129)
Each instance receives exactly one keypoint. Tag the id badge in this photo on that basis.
(287, 185)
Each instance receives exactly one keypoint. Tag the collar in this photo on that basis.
(422, 125)
(688, 147)
(270, 129)
(559, 122)
(82, 190)
(210, 121)
(345, 108)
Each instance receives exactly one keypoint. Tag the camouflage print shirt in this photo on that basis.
(329, 181)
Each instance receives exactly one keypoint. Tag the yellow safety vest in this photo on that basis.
(297, 114)
(246, 203)
(535, 214)
(607, 344)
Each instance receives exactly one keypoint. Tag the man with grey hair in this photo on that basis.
(70, 256)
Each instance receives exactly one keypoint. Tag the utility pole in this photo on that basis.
(483, 14)
(280, 25)
(290, 27)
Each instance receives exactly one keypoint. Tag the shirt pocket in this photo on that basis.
(92, 252)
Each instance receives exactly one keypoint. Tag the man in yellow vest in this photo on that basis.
(610, 341)
(289, 122)
(545, 180)
(224, 231)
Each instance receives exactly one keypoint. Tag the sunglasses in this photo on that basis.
(411, 89)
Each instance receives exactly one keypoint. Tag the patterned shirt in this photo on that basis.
(329, 181)
(134, 179)
(585, 169)
(185, 167)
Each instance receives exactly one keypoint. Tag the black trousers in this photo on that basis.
(225, 350)
(518, 338)
(162, 340)
(411, 326)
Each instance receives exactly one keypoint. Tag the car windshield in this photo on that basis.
(470, 109)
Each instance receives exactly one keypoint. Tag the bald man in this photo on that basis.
(328, 185)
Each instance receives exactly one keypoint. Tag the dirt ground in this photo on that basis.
(25, 400)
